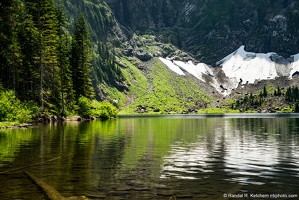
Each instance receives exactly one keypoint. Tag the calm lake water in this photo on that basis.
(187, 157)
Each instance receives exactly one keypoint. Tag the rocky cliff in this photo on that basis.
(211, 29)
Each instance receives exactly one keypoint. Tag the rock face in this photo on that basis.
(211, 29)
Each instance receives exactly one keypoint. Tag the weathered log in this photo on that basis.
(50, 191)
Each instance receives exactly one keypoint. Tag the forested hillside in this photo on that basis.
(59, 55)
(51, 56)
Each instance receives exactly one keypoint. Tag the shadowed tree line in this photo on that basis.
(47, 61)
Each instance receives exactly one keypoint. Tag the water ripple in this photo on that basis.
(243, 157)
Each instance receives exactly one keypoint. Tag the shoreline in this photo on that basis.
(53, 119)
(15, 125)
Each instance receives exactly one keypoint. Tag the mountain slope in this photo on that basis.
(182, 33)
(211, 29)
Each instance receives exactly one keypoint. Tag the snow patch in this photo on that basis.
(196, 70)
(172, 66)
(248, 66)
(199, 71)
(294, 65)
(239, 67)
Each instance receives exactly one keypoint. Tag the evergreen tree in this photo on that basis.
(10, 54)
(296, 109)
(288, 95)
(64, 47)
(28, 74)
(105, 67)
(292, 94)
(81, 58)
(44, 16)
(265, 93)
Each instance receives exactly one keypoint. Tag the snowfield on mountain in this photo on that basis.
(239, 67)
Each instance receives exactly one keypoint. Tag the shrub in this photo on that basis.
(84, 106)
(12, 109)
(103, 110)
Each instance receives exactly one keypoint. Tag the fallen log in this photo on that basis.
(51, 193)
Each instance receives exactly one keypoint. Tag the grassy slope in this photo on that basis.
(168, 92)
(137, 82)
(165, 90)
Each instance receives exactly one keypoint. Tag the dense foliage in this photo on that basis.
(81, 59)
(12, 109)
(102, 110)
(292, 94)
(269, 100)
(45, 58)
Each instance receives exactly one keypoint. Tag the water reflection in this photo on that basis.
(154, 158)
(247, 152)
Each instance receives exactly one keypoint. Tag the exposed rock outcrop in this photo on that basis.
(210, 30)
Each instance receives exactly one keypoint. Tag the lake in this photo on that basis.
(155, 157)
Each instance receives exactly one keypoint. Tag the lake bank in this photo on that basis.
(9, 125)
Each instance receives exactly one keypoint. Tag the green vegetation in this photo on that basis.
(56, 58)
(217, 111)
(13, 110)
(47, 60)
(165, 92)
(292, 94)
(81, 58)
(113, 94)
(102, 110)
(135, 78)
(105, 69)
(269, 99)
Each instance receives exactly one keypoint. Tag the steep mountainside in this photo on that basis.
(150, 56)
(103, 25)
(211, 29)
(188, 36)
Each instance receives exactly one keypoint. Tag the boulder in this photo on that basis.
(74, 118)
(54, 118)
(141, 109)
(143, 56)
(156, 110)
